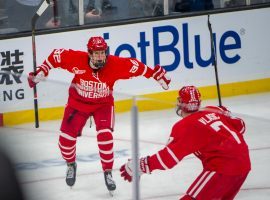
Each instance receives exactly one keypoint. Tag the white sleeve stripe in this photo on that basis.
(107, 161)
(157, 72)
(172, 155)
(197, 153)
(68, 137)
(105, 142)
(49, 64)
(218, 108)
(66, 148)
(161, 162)
(244, 128)
(145, 70)
(104, 131)
(198, 182)
(106, 152)
(45, 67)
(68, 153)
(67, 158)
(112, 117)
(203, 184)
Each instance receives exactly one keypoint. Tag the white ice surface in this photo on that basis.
(42, 170)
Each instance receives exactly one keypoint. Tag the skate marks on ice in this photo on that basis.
(90, 183)
(42, 171)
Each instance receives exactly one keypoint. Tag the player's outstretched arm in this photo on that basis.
(55, 59)
(35, 77)
(159, 74)
(126, 169)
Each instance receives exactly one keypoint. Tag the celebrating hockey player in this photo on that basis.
(215, 137)
(90, 94)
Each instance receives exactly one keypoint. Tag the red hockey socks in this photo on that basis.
(67, 146)
(105, 144)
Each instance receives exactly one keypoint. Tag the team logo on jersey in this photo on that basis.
(95, 75)
(135, 66)
(75, 70)
(92, 89)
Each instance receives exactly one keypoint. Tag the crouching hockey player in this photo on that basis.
(90, 94)
(215, 137)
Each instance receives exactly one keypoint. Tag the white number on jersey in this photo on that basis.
(135, 66)
(217, 126)
(57, 55)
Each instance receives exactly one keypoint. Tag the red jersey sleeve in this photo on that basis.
(125, 68)
(237, 123)
(59, 58)
(181, 143)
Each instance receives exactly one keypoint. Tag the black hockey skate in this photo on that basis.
(71, 173)
(109, 182)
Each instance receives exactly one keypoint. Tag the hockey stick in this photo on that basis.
(39, 12)
(213, 53)
(55, 13)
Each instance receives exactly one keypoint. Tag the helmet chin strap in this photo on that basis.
(178, 111)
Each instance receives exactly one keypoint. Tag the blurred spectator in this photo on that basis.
(68, 14)
(193, 5)
(157, 7)
(95, 8)
(234, 3)
(20, 13)
(142, 8)
(3, 15)
(59, 14)
(65, 13)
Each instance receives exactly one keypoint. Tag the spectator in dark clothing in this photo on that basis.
(20, 13)
(193, 5)
(96, 7)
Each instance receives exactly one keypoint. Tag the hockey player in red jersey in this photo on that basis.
(213, 136)
(91, 94)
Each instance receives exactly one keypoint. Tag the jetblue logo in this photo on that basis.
(229, 45)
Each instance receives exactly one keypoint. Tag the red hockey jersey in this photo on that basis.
(93, 87)
(216, 139)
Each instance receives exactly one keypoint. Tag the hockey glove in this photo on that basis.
(126, 169)
(160, 76)
(35, 77)
(219, 109)
(226, 111)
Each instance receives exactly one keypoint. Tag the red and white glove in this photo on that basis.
(126, 169)
(219, 109)
(226, 111)
(160, 76)
(35, 77)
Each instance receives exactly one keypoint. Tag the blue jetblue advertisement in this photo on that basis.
(182, 46)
